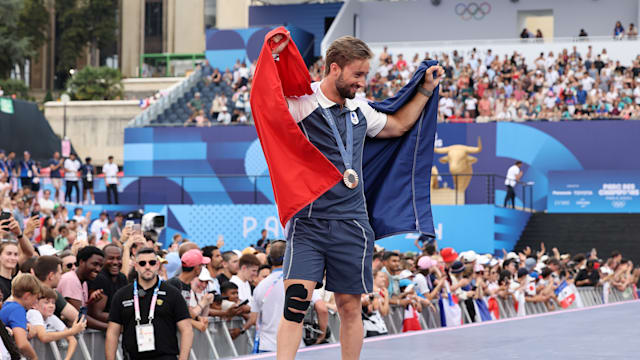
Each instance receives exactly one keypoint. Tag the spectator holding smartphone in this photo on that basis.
(47, 327)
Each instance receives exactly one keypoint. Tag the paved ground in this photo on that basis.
(604, 332)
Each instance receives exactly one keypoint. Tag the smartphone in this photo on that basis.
(81, 235)
(243, 303)
(136, 228)
(5, 215)
(82, 313)
(35, 213)
(129, 224)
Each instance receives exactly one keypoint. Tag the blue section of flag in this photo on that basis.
(396, 169)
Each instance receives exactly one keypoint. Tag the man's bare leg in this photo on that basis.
(290, 332)
(351, 329)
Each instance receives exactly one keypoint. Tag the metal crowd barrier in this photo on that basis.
(216, 342)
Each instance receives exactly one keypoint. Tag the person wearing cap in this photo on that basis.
(192, 264)
(157, 338)
(514, 174)
(428, 280)
(460, 285)
(449, 256)
(469, 257)
(200, 297)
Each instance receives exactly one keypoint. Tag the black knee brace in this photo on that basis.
(295, 290)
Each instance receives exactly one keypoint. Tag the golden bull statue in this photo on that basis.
(460, 162)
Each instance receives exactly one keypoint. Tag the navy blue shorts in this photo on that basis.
(341, 248)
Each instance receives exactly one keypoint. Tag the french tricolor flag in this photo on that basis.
(566, 294)
(450, 312)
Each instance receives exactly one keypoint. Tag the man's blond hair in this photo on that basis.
(344, 50)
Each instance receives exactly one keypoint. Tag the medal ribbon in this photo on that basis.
(345, 153)
(136, 301)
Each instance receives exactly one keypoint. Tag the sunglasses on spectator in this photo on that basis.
(143, 263)
(69, 265)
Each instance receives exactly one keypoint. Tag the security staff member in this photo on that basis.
(149, 312)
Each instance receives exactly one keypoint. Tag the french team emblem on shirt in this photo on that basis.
(354, 118)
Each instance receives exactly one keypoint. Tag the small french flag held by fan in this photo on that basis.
(450, 312)
(411, 322)
(566, 294)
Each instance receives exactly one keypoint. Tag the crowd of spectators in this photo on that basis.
(55, 265)
(229, 100)
(479, 86)
(484, 87)
(525, 277)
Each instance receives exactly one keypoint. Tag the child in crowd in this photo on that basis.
(48, 327)
(231, 298)
(25, 291)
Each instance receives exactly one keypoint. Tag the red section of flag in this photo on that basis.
(567, 301)
(299, 172)
(493, 307)
(411, 321)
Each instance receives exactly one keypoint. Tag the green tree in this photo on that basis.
(33, 25)
(13, 48)
(96, 83)
(15, 87)
(101, 30)
(84, 23)
(72, 27)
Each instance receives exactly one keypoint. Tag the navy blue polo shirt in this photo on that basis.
(339, 202)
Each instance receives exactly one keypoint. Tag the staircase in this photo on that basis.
(579, 233)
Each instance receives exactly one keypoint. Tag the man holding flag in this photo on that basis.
(335, 195)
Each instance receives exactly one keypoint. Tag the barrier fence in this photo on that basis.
(217, 342)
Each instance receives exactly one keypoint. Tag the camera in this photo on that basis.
(153, 221)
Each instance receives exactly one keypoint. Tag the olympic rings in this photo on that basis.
(473, 10)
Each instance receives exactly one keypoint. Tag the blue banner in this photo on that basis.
(595, 191)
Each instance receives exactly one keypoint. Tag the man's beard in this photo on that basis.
(344, 89)
(148, 277)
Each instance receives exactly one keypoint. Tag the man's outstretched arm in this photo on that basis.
(402, 120)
